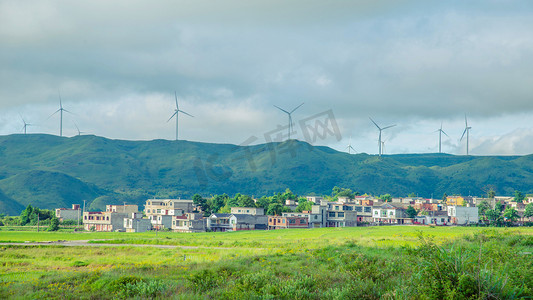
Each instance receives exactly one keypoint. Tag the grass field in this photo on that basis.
(336, 263)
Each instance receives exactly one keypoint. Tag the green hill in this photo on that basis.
(50, 171)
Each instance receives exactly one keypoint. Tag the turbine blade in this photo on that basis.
(54, 113)
(181, 111)
(444, 133)
(282, 109)
(174, 114)
(462, 136)
(176, 97)
(388, 127)
(466, 121)
(374, 123)
(297, 107)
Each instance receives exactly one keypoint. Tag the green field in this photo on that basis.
(392, 262)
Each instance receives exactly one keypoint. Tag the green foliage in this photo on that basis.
(342, 192)
(386, 198)
(518, 196)
(411, 212)
(245, 201)
(456, 272)
(511, 215)
(304, 205)
(528, 213)
(54, 224)
(483, 207)
(200, 201)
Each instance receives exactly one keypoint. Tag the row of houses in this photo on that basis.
(182, 215)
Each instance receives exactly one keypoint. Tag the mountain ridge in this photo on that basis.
(132, 171)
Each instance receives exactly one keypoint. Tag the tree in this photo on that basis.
(304, 205)
(275, 209)
(199, 201)
(518, 196)
(386, 198)
(511, 215)
(25, 215)
(245, 201)
(411, 212)
(54, 224)
(444, 196)
(342, 192)
(493, 216)
(412, 195)
(529, 210)
(483, 207)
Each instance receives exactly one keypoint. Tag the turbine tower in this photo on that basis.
(380, 144)
(467, 131)
(60, 110)
(440, 131)
(290, 116)
(349, 148)
(25, 125)
(176, 112)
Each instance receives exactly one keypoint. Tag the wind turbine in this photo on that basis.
(383, 146)
(78, 129)
(290, 116)
(440, 131)
(176, 112)
(380, 130)
(25, 125)
(467, 131)
(60, 110)
(350, 147)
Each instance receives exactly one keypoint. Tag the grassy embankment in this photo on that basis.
(372, 263)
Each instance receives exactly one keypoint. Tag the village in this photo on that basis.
(184, 216)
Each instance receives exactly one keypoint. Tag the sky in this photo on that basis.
(418, 65)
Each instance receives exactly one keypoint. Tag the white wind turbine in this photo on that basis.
(176, 113)
(440, 131)
(290, 117)
(60, 110)
(25, 125)
(380, 144)
(349, 148)
(78, 129)
(467, 132)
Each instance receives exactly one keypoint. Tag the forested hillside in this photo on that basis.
(50, 171)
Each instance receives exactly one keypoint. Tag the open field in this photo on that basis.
(367, 262)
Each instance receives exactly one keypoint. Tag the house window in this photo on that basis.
(376, 212)
(331, 214)
(283, 221)
(159, 211)
(359, 208)
(391, 213)
(148, 211)
(368, 209)
(336, 207)
(340, 215)
(316, 217)
(292, 221)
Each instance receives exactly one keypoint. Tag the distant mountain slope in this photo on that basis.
(9, 206)
(46, 189)
(53, 171)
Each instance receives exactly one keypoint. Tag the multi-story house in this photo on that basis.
(135, 223)
(341, 215)
(189, 222)
(160, 211)
(283, 222)
(462, 215)
(391, 213)
(168, 207)
(110, 220)
(69, 214)
(236, 222)
(255, 211)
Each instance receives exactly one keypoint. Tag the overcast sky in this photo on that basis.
(416, 64)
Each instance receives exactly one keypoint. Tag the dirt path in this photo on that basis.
(85, 243)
